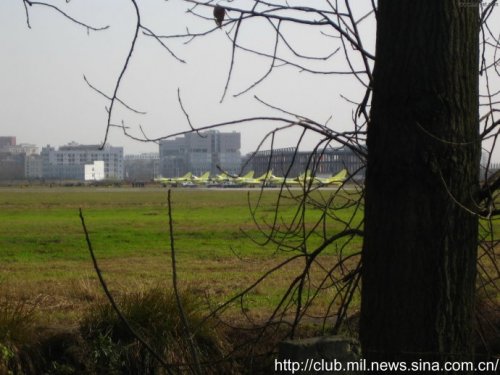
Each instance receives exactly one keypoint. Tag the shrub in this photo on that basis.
(154, 315)
(16, 333)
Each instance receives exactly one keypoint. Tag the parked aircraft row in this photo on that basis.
(225, 179)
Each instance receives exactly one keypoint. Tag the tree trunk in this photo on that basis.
(419, 254)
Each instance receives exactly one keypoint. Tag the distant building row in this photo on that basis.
(215, 151)
(210, 151)
(70, 162)
(196, 153)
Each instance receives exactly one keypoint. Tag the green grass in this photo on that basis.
(44, 253)
(40, 226)
(47, 278)
(44, 225)
(44, 260)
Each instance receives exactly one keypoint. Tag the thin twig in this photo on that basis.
(113, 303)
(197, 368)
(109, 98)
(124, 69)
(74, 20)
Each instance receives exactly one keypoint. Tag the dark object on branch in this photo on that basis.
(219, 13)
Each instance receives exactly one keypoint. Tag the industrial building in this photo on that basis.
(142, 167)
(291, 162)
(210, 151)
(68, 163)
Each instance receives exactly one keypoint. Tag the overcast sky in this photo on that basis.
(45, 100)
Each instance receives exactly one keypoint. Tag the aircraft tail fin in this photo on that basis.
(248, 175)
(265, 176)
(339, 177)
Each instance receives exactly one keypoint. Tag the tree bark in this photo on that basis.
(419, 252)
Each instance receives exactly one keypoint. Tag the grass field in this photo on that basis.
(48, 283)
(44, 256)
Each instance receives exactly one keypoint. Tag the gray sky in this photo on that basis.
(44, 99)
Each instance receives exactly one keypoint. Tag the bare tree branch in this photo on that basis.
(124, 69)
(74, 20)
(113, 303)
(194, 356)
(109, 98)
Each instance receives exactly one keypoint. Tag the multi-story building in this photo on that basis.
(210, 151)
(33, 167)
(68, 163)
(12, 166)
(22, 148)
(7, 142)
(14, 158)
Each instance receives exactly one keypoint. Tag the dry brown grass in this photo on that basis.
(64, 290)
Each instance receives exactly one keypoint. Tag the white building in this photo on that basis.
(94, 171)
(68, 163)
